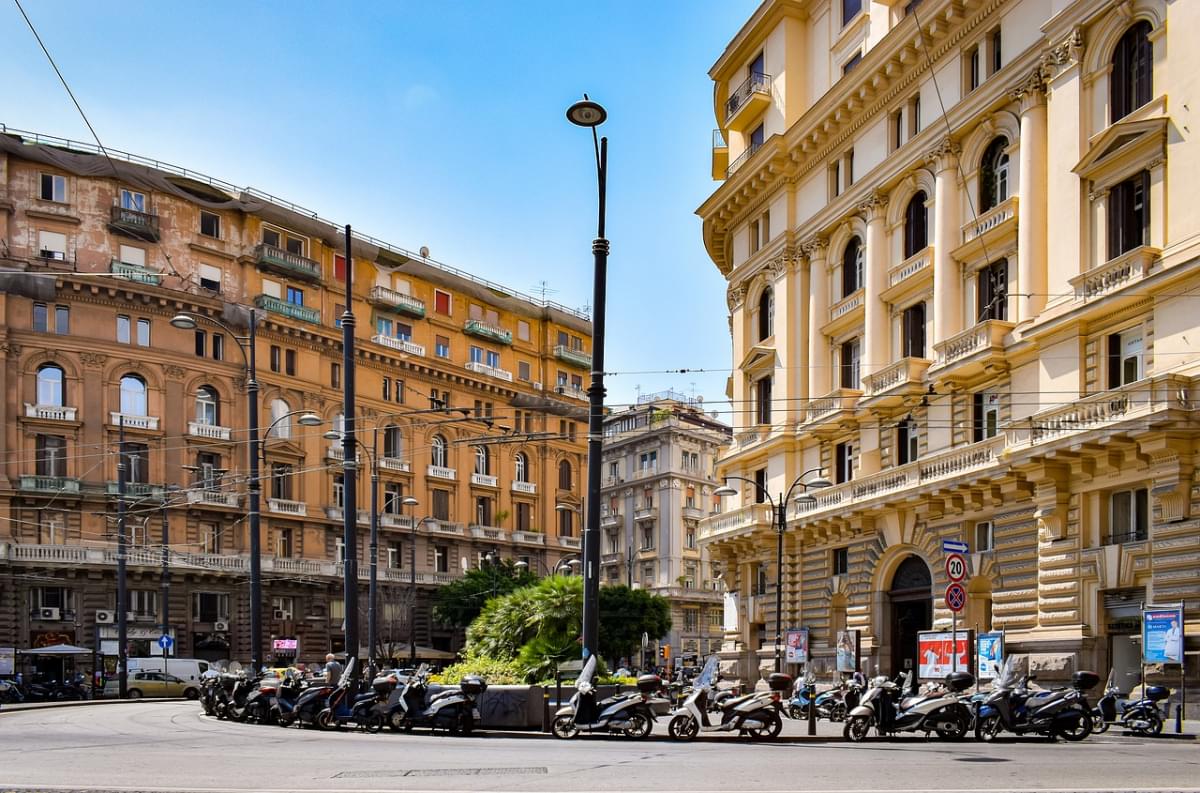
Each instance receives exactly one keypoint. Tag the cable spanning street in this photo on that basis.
(170, 746)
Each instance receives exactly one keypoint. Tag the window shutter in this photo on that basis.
(1114, 360)
(1145, 209)
(977, 417)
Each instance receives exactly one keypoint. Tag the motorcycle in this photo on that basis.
(287, 693)
(833, 704)
(1140, 716)
(210, 686)
(243, 685)
(10, 691)
(885, 708)
(309, 704)
(755, 714)
(345, 706)
(1014, 707)
(258, 702)
(631, 714)
(450, 710)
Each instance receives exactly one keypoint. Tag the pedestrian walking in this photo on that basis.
(333, 670)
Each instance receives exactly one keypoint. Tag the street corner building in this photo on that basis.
(470, 399)
(963, 266)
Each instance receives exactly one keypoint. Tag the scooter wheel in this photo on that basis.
(856, 729)
(1077, 732)
(1099, 725)
(324, 720)
(837, 712)
(640, 726)
(796, 712)
(564, 727)
(285, 720)
(373, 722)
(952, 728)
(683, 727)
(988, 727)
(770, 731)
(1153, 726)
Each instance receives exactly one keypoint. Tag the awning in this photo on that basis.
(57, 649)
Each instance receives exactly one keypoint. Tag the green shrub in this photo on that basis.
(493, 670)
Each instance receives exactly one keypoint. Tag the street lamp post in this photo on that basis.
(590, 114)
(412, 588)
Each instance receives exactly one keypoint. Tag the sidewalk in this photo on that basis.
(13, 707)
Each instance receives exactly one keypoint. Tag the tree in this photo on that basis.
(460, 602)
(625, 614)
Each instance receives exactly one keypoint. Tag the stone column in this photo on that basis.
(819, 379)
(1031, 206)
(735, 299)
(876, 346)
(947, 231)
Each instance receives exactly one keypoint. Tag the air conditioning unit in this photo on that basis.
(50, 614)
(282, 615)
(537, 386)
(220, 625)
(105, 617)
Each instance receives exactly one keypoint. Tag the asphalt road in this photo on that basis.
(171, 746)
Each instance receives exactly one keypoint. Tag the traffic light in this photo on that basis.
(666, 649)
(662, 652)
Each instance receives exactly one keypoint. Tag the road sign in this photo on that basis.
(956, 567)
(165, 642)
(954, 546)
(956, 597)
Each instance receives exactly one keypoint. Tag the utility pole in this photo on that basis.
(122, 593)
(349, 465)
(166, 578)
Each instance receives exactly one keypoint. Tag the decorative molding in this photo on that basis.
(874, 207)
(1067, 51)
(944, 154)
(93, 360)
(814, 247)
(735, 296)
(10, 348)
(174, 372)
(1031, 90)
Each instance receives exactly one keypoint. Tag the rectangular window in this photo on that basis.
(281, 481)
(850, 364)
(760, 486)
(210, 224)
(897, 123)
(131, 255)
(524, 516)
(54, 188)
(762, 400)
(971, 76)
(123, 329)
(143, 332)
(393, 494)
(52, 245)
(276, 354)
(1129, 516)
(522, 330)
(914, 116)
(335, 375)
(210, 606)
(339, 491)
(850, 9)
(386, 389)
(441, 346)
(295, 296)
(338, 311)
(339, 267)
(843, 455)
(51, 456)
(1125, 357)
(441, 302)
(566, 523)
(841, 561)
(210, 278)
(289, 362)
(986, 415)
(914, 331)
(218, 346)
(757, 136)
(908, 442)
(849, 65)
(441, 504)
(753, 246)
(441, 558)
(201, 348)
(136, 457)
(992, 291)
(1129, 215)
(523, 370)
(395, 554)
(284, 544)
(997, 52)
(41, 318)
(62, 320)
(983, 536)
(399, 390)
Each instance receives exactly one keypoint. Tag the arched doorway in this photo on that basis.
(911, 599)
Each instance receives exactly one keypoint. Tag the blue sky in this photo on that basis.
(436, 124)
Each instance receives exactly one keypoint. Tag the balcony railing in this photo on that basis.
(484, 480)
(1002, 212)
(271, 258)
(720, 155)
(134, 422)
(277, 306)
(846, 305)
(524, 487)
(395, 464)
(742, 158)
(64, 485)
(693, 513)
(396, 301)
(135, 272)
(748, 518)
(987, 336)
(909, 267)
(214, 497)
(486, 330)
(402, 345)
(141, 225)
(904, 372)
(138, 490)
(610, 520)
(569, 542)
(479, 367)
(210, 431)
(574, 357)
(645, 513)
(444, 527)
(440, 472)
(832, 403)
(49, 412)
(391, 521)
(335, 451)
(484, 532)
(756, 84)
(529, 537)
(1114, 274)
(283, 506)
(1097, 410)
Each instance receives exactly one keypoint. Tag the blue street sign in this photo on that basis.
(954, 546)
(165, 641)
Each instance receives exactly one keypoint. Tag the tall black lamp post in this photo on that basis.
(591, 115)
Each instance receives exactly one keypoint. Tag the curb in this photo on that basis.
(16, 707)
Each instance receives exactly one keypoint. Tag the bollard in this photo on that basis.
(1178, 718)
(545, 710)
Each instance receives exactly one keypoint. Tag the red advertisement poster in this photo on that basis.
(939, 654)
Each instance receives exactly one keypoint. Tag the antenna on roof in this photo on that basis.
(424, 252)
(543, 288)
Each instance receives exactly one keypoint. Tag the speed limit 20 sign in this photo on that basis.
(956, 567)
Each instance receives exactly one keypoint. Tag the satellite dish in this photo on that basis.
(424, 252)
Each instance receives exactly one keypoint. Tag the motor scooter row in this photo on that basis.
(943, 711)
(452, 710)
(1141, 715)
(1014, 707)
(756, 714)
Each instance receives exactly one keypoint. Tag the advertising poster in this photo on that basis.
(1162, 635)
(797, 646)
(936, 651)
(989, 651)
(847, 651)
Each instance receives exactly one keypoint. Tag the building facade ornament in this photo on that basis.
(174, 372)
(1031, 91)
(944, 154)
(10, 348)
(93, 360)
(874, 206)
(735, 296)
(814, 247)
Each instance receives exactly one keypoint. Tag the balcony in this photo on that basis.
(49, 412)
(478, 367)
(335, 452)
(485, 480)
(134, 422)
(290, 310)
(283, 506)
(141, 491)
(902, 274)
(906, 376)
(440, 472)
(1114, 275)
(132, 223)
(747, 100)
(483, 532)
(646, 512)
(391, 521)
(615, 557)
(973, 351)
(59, 485)
(286, 263)
(742, 159)
(336, 514)
(610, 520)
(214, 497)
(572, 391)
(574, 357)
(992, 220)
(831, 409)
(569, 542)
(849, 309)
(529, 537)
(400, 345)
(745, 520)
(444, 527)
(643, 473)
(693, 513)
(135, 272)
(210, 431)
(395, 464)
(720, 156)
(399, 302)
(524, 487)
(485, 330)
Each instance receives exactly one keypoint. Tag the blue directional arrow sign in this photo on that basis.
(954, 546)
(165, 642)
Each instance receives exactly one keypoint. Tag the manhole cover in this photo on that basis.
(981, 759)
(400, 772)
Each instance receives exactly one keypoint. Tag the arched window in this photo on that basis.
(282, 427)
(483, 461)
(1132, 78)
(521, 467)
(564, 475)
(208, 406)
(438, 449)
(852, 267)
(766, 314)
(50, 390)
(393, 443)
(916, 225)
(133, 396)
(993, 175)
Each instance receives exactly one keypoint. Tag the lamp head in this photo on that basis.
(586, 114)
(564, 508)
(725, 490)
(183, 322)
(806, 500)
(521, 565)
(310, 420)
(409, 501)
(331, 435)
(819, 483)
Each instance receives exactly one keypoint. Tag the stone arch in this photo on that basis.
(855, 225)
(1003, 124)
(898, 613)
(1104, 36)
(920, 179)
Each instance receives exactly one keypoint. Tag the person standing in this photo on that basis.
(333, 670)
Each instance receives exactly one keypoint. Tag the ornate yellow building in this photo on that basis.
(963, 278)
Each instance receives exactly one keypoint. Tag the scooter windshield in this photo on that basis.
(1012, 669)
(347, 673)
(584, 681)
(708, 676)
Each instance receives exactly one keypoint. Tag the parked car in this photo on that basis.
(153, 684)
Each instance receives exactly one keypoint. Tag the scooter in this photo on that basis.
(243, 686)
(1140, 716)
(630, 714)
(258, 702)
(345, 705)
(942, 711)
(283, 704)
(310, 703)
(755, 714)
(1014, 707)
(451, 710)
(833, 704)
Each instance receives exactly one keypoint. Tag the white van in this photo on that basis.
(188, 669)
